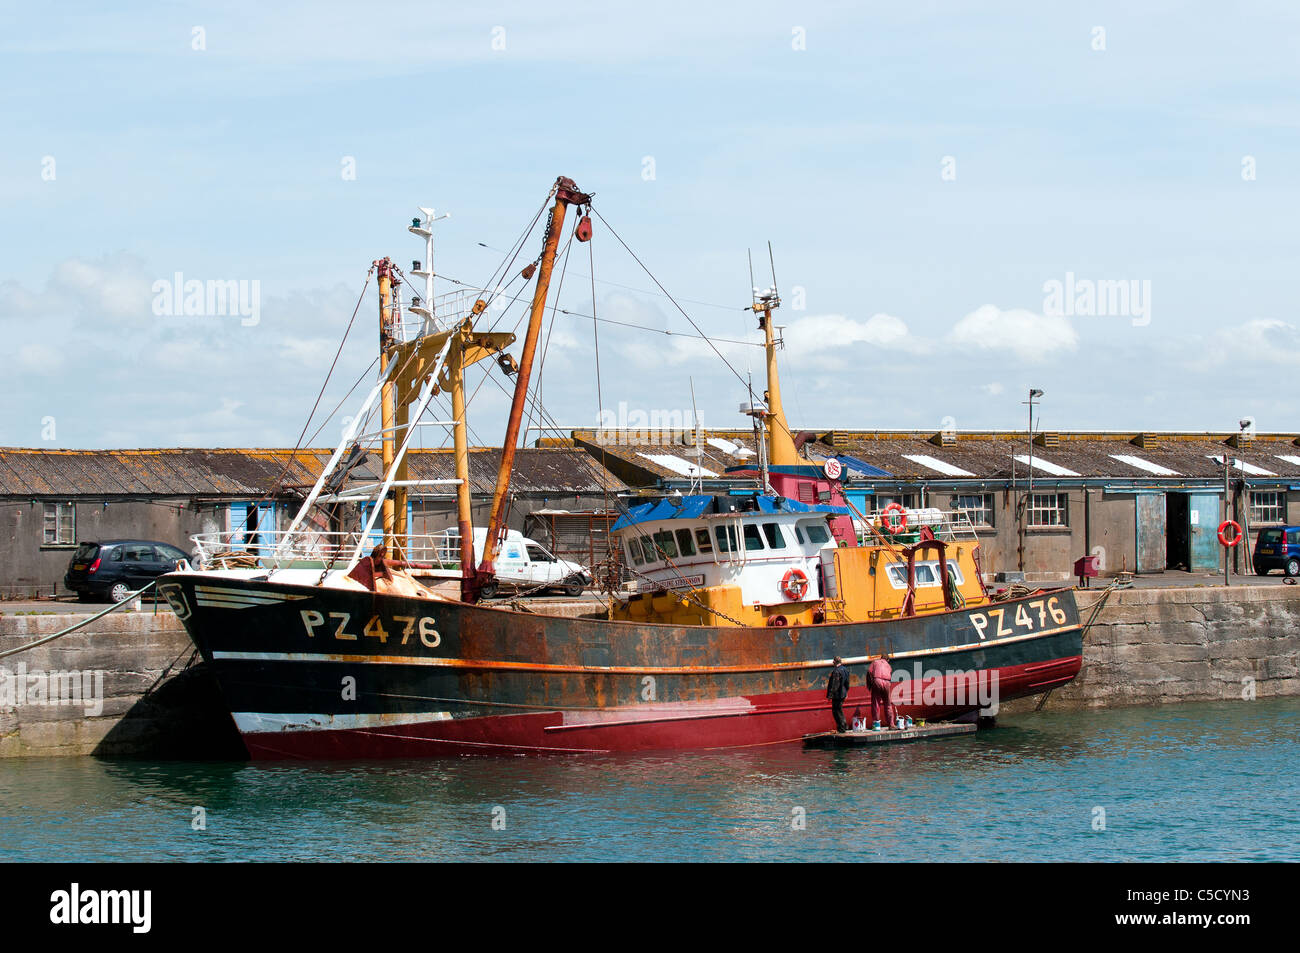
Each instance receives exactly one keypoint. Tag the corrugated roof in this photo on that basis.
(1090, 454)
(916, 456)
(247, 472)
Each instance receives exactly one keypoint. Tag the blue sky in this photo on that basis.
(922, 170)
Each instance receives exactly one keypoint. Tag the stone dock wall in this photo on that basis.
(1147, 646)
(1151, 646)
(135, 661)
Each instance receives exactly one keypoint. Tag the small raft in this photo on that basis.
(857, 739)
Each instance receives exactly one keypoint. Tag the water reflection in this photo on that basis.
(1026, 790)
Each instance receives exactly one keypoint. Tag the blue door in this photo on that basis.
(1203, 517)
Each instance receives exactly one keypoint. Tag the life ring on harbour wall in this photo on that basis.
(885, 522)
(1236, 533)
(794, 584)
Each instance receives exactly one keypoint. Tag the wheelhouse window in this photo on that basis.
(816, 532)
(975, 507)
(634, 551)
(753, 541)
(1049, 509)
(60, 524)
(927, 574)
(665, 544)
(775, 538)
(685, 543)
(726, 537)
(1267, 506)
(702, 541)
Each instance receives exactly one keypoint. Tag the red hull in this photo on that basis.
(729, 723)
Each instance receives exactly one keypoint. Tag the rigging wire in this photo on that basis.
(276, 483)
(615, 284)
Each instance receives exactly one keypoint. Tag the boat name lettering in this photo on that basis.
(1023, 619)
(374, 628)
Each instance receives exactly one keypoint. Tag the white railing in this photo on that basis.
(310, 549)
(949, 526)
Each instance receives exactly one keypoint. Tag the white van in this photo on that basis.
(523, 563)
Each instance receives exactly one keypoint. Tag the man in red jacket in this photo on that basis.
(878, 678)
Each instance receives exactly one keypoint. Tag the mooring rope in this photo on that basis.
(73, 628)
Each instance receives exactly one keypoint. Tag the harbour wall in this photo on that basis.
(1147, 646)
(128, 679)
(1203, 643)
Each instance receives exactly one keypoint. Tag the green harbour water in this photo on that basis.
(1192, 782)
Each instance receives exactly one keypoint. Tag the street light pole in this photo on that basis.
(1029, 495)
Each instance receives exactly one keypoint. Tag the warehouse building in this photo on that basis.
(50, 500)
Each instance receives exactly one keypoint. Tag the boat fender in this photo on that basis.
(794, 584)
(1236, 533)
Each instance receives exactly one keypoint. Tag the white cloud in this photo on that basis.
(1260, 340)
(1031, 337)
(816, 334)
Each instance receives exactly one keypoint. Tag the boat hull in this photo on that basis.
(314, 672)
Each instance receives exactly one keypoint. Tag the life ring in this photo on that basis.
(885, 522)
(794, 584)
(1236, 537)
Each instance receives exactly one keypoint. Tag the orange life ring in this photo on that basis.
(794, 584)
(1236, 537)
(888, 526)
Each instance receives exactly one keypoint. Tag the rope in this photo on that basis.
(1097, 607)
(80, 625)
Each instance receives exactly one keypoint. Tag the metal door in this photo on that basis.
(1150, 532)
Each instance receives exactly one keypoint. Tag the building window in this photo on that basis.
(1049, 509)
(908, 501)
(60, 524)
(1267, 506)
(976, 507)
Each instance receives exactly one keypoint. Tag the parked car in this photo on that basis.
(1278, 547)
(115, 568)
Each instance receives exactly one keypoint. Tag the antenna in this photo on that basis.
(699, 451)
(771, 259)
(753, 291)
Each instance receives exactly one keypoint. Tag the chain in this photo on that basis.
(688, 597)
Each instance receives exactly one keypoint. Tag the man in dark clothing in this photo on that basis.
(837, 689)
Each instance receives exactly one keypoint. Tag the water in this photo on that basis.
(1205, 782)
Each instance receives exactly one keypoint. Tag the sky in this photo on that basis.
(964, 201)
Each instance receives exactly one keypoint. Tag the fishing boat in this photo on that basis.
(718, 628)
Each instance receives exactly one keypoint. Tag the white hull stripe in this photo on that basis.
(613, 669)
(219, 597)
(256, 721)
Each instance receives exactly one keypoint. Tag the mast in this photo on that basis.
(566, 194)
(388, 402)
(780, 442)
(464, 514)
